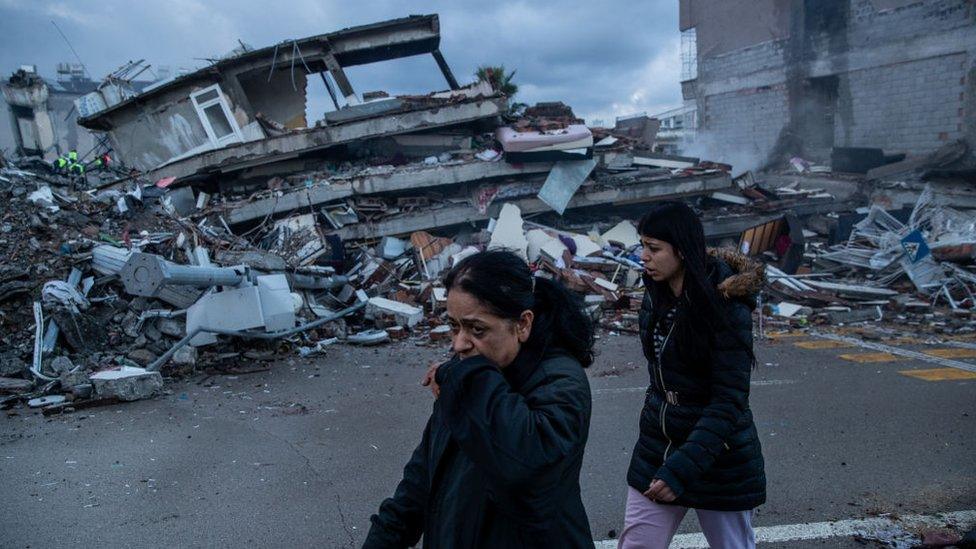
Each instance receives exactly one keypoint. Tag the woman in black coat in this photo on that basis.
(698, 446)
(500, 458)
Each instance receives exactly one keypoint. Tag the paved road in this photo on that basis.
(303, 454)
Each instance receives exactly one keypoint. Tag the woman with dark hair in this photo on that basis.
(499, 462)
(698, 447)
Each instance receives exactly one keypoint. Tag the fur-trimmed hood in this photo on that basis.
(737, 276)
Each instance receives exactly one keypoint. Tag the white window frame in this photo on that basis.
(235, 136)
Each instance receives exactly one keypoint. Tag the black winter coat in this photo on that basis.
(499, 462)
(696, 428)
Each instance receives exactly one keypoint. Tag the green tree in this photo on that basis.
(499, 80)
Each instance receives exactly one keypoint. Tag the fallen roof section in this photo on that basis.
(416, 114)
(337, 188)
(382, 41)
(597, 195)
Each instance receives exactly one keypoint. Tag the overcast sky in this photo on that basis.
(604, 59)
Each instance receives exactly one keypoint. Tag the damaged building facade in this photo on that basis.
(250, 109)
(800, 77)
(41, 113)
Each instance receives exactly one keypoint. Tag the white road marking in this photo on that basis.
(767, 382)
(756, 383)
(963, 520)
(960, 344)
(619, 390)
(898, 351)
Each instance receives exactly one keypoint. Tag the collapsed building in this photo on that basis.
(249, 109)
(41, 112)
(44, 112)
(233, 219)
(377, 165)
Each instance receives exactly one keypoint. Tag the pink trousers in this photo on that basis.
(650, 525)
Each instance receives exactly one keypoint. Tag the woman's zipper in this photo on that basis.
(664, 405)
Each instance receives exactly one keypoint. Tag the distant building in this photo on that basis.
(773, 78)
(42, 114)
(678, 129)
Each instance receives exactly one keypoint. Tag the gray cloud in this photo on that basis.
(603, 58)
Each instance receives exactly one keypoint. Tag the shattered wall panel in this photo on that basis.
(69, 134)
(137, 140)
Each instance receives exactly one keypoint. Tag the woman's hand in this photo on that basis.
(660, 491)
(429, 381)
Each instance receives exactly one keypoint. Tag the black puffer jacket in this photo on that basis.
(696, 427)
(499, 462)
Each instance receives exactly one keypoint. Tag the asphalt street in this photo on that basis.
(301, 454)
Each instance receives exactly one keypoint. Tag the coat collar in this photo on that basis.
(526, 361)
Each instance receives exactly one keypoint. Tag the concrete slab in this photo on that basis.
(635, 193)
(405, 315)
(127, 383)
(421, 116)
(416, 177)
(508, 233)
(564, 180)
(624, 233)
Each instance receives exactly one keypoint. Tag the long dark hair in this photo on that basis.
(503, 282)
(678, 225)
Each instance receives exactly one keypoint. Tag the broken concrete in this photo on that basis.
(457, 214)
(127, 383)
(508, 233)
(337, 188)
(405, 315)
(563, 181)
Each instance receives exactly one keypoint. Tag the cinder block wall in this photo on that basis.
(743, 126)
(910, 103)
(909, 107)
(913, 106)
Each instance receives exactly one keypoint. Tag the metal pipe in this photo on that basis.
(164, 358)
(202, 277)
(146, 275)
(309, 282)
(38, 343)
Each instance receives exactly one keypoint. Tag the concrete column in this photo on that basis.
(328, 86)
(445, 69)
(340, 77)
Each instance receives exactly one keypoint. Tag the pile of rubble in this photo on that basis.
(262, 237)
(111, 283)
(911, 266)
